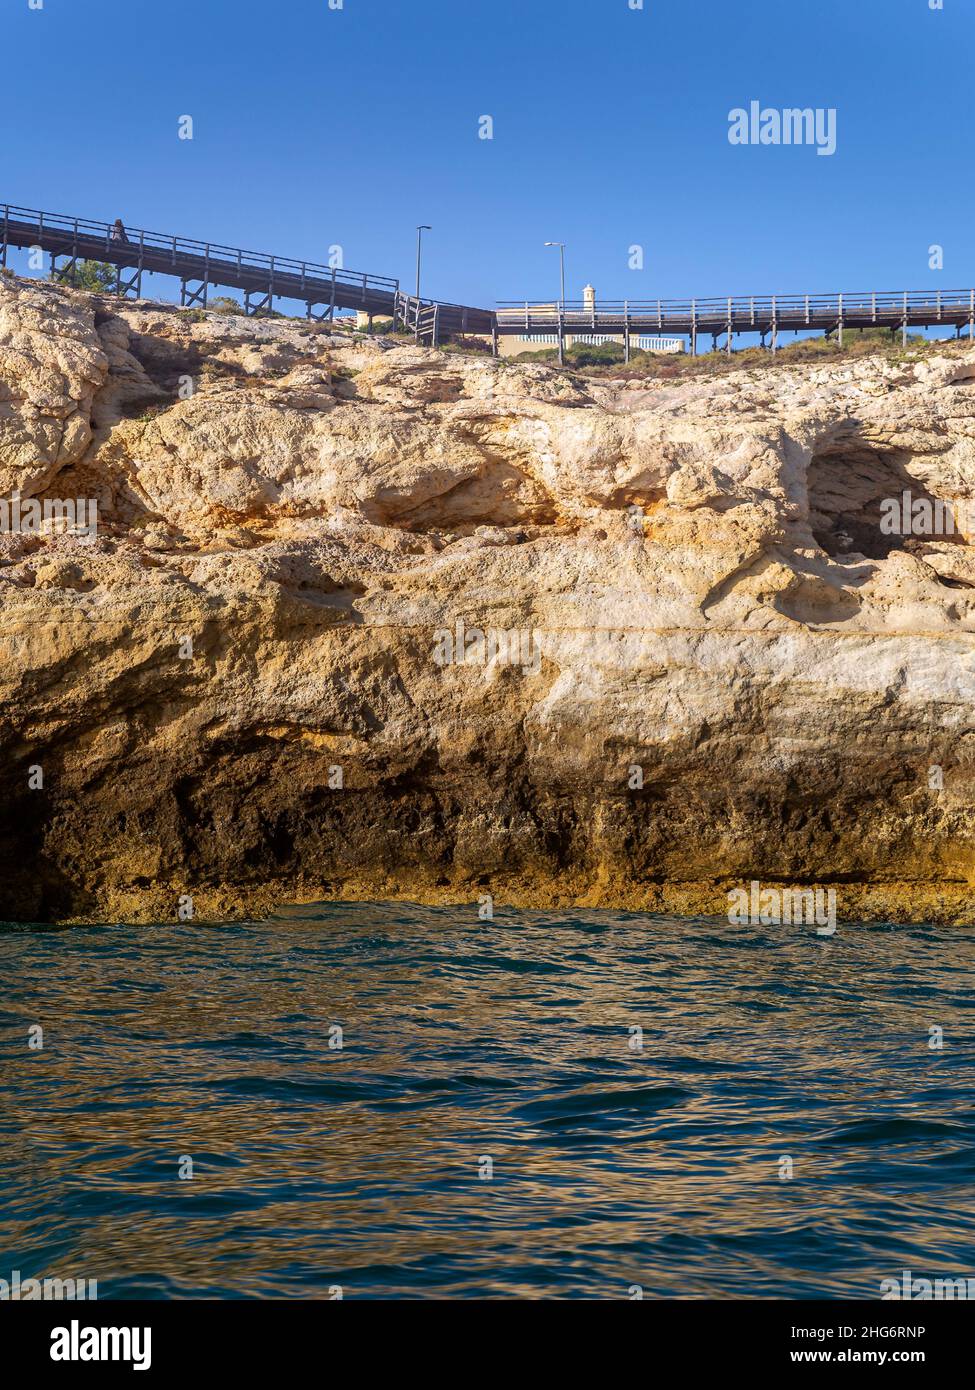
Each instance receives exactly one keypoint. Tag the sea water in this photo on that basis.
(383, 1100)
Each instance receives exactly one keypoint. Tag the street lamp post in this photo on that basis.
(419, 240)
(561, 246)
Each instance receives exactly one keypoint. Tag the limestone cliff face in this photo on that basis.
(704, 660)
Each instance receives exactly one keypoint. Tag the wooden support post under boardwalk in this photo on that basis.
(134, 283)
(66, 271)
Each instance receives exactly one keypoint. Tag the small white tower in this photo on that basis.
(589, 297)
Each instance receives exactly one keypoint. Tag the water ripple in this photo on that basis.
(638, 1086)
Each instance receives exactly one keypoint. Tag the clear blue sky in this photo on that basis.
(315, 126)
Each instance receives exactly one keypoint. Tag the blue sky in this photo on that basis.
(315, 127)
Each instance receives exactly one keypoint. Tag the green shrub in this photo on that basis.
(579, 354)
(94, 276)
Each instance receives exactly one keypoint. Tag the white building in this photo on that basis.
(512, 345)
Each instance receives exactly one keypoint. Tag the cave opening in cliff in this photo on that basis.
(867, 500)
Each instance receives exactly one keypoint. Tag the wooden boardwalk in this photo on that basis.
(768, 316)
(198, 265)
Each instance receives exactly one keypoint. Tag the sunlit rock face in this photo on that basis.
(372, 620)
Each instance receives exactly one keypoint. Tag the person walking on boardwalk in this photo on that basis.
(118, 231)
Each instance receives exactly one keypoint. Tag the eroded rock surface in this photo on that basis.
(697, 576)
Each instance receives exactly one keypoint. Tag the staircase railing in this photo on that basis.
(420, 318)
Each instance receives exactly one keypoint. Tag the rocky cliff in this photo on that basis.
(371, 620)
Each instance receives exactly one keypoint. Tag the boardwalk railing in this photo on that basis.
(200, 264)
(324, 288)
(197, 264)
(762, 314)
(74, 232)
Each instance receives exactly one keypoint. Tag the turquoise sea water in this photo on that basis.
(364, 1167)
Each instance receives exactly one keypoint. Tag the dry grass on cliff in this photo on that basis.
(681, 366)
